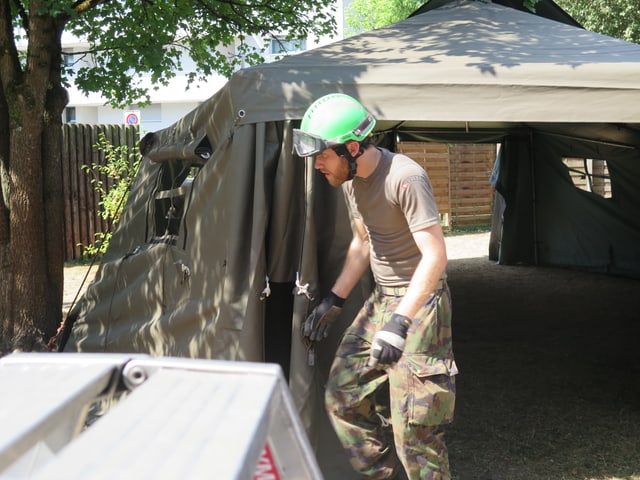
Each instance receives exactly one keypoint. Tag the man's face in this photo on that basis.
(335, 168)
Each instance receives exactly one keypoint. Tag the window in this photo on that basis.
(590, 175)
(70, 115)
(69, 59)
(151, 113)
(169, 200)
(172, 194)
(281, 45)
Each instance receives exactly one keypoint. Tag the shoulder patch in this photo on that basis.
(409, 180)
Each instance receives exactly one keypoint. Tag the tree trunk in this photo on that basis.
(57, 99)
(6, 282)
(33, 274)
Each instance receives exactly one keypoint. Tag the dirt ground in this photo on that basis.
(549, 387)
(76, 281)
(549, 384)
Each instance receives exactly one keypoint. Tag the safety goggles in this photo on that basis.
(307, 144)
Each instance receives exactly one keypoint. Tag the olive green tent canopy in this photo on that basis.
(228, 240)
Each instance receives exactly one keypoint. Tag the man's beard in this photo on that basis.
(340, 176)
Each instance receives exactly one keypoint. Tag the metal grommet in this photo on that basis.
(134, 376)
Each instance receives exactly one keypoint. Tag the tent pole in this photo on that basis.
(590, 140)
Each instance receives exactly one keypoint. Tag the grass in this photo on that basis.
(468, 229)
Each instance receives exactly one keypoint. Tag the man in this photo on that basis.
(401, 338)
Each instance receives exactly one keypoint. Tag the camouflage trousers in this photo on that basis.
(391, 418)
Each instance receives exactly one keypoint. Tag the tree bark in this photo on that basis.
(6, 281)
(32, 272)
(57, 99)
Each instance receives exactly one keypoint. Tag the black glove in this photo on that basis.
(388, 343)
(316, 327)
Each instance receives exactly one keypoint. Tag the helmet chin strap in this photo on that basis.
(342, 151)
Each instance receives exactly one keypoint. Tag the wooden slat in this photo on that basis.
(66, 191)
(459, 175)
(434, 158)
(81, 201)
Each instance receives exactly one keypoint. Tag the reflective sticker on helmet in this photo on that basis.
(363, 126)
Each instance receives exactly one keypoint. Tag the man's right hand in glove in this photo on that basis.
(316, 327)
(388, 343)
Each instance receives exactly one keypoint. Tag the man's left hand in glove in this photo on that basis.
(316, 327)
(388, 343)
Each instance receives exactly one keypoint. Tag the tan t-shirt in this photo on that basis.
(394, 201)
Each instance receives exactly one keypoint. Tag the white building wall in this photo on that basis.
(87, 115)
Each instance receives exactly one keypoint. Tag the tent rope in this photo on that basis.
(266, 292)
(302, 289)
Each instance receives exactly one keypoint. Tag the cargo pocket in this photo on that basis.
(432, 390)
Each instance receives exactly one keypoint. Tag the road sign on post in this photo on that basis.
(132, 117)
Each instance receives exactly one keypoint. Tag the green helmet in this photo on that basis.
(332, 120)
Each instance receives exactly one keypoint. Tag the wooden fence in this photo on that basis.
(81, 202)
(459, 175)
(590, 175)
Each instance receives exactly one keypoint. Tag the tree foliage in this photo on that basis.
(615, 18)
(120, 168)
(365, 15)
(128, 39)
(141, 37)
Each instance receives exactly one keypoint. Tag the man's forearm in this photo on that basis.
(355, 264)
(429, 270)
(422, 285)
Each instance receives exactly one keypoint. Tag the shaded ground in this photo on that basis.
(550, 371)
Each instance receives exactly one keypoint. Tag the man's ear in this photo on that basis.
(353, 147)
